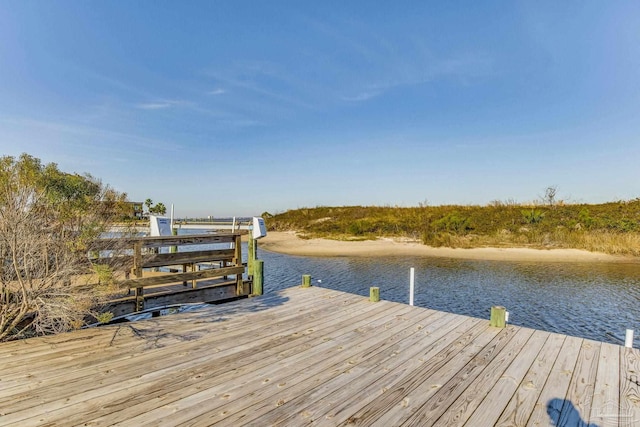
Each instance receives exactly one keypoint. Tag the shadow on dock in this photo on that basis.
(154, 334)
(253, 305)
(563, 413)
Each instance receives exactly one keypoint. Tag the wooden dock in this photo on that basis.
(316, 356)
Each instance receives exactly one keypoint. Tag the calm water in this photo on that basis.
(596, 301)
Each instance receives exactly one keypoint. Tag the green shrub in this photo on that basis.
(586, 220)
(532, 216)
(454, 223)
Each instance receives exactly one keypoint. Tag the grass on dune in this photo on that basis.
(612, 227)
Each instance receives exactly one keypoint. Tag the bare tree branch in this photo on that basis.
(48, 221)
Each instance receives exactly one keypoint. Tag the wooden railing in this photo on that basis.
(210, 284)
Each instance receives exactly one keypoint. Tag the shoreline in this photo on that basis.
(290, 244)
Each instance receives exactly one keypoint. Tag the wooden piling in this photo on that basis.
(251, 257)
(498, 316)
(306, 280)
(194, 282)
(258, 277)
(139, 294)
(173, 249)
(237, 260)
(374, 294)
(137, 259)
(184, 270)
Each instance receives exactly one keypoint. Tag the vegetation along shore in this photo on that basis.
(609, 228)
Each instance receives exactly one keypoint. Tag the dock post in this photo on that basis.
(498, 316)
(174, 232)
(139, 294)
(154, 251)
(194, 283)
(412, 279)
(237, 261)
(137, 259)
(251, 246)
(258, 277)
(374, 294)
(306, 280)
(628, 338)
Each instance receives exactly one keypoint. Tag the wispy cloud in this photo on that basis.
(161, 104)
(36, 127)
(153, 106)
(263, 79)
(216, 92)
(463, 68)
(366, 65)
(362, 96)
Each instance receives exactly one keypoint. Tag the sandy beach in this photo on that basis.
(289, 243)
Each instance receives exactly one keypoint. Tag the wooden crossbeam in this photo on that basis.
(182, 277)
(126, 262)
(160, 241)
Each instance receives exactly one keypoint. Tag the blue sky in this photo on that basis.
(235, 108)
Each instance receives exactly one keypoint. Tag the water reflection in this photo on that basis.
(596, 301)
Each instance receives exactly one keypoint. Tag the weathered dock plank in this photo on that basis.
(135, 370)
(605, 407)
(493, 357)
(305, 366)
(127, 340)
(499, 395)
(390, 407)
(629, 387)
(557, 383)
(321, 357)
(258, 374)
(577, 405)
(359, 385)
(523, 401)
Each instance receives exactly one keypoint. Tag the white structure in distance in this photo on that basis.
(259, 229)
(159, 226)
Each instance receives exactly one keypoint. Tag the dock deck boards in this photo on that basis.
(313, 356)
